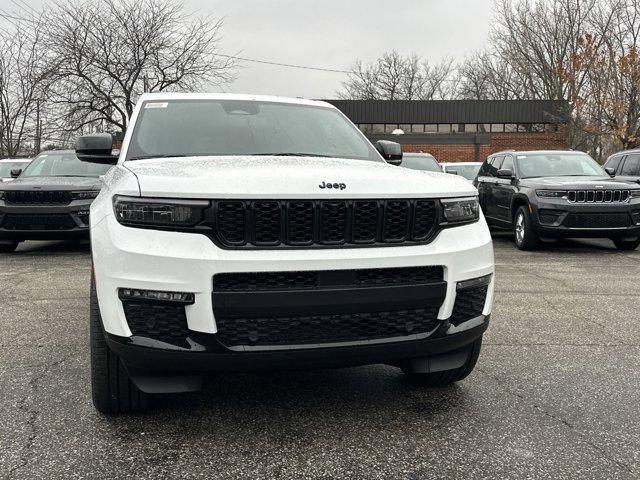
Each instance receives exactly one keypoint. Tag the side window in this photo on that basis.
(495, 166)
(614, 162)
(484, 169)
(507, 164)
(631, 165)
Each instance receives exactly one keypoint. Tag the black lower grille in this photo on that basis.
(33, 197)
(323, 329)
(597, 220)
(38, 222)
(291, 223)
(254, 281)
(162, 321)
(469, 304)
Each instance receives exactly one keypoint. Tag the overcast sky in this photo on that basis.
(333, 34)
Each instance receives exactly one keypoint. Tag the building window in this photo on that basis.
(444, 128)
(497, 127)
(405, 127)
(365, 128)
(377, 128)
(484, 127)
(455, 128)
(510, 127)
(470, 128)
(390, 127)
(537, 127)
(417, 128)
(431, 128)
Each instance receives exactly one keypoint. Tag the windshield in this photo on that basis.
(234, 127)
(6, 167)
(558, 165)
(420, 162)
(470, 172)
(62, 164)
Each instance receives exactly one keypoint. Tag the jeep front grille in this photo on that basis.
(305, 223)
(598, 196)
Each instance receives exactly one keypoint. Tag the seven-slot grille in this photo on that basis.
(304, 223)
(36, 197)
(597, 196)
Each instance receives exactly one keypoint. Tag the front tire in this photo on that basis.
(8, 247)
(112, 390)
(626, 244)
(525, 237)
(446, 377)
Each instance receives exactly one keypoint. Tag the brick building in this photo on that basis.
(461, 130)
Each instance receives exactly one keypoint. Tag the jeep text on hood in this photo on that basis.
(242, 233)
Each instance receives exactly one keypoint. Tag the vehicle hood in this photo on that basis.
(53, 183)
(288, 177)
(578, 183)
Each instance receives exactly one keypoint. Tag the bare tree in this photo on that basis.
(24, 75)
(397, 77)
(111, 51)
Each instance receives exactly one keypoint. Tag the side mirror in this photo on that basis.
(610, 171)
(96, 148)
(390, 151)
(505, 173)
(15, 172)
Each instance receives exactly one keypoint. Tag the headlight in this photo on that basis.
(460, 210)
(551, 193)
(632, 193)
(134, 211)
(85, 195)
(2, 195)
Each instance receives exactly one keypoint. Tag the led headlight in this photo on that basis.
(141, 212)
(551, 193)
(84, 195)
(2, 195)
(632, 193)
(460, 210)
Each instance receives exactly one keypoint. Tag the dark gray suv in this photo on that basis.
(554, 194)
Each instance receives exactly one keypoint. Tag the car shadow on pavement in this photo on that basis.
(316, 396)
(53, 247)
(558, 245)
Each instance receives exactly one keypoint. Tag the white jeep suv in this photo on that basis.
(240, 232)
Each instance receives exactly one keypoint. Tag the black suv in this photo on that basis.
(49, 200)
(552, 194)
(624, 165)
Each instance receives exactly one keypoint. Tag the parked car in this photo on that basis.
(49, 200)
(551, 194)
(12, 167)
(420, 161)
(243, 232)
(624, 165)
(468, 170)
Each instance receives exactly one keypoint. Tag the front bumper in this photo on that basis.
(44, 222)
(560, 218)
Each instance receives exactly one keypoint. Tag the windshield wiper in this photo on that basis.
(145, 157)
(287, 154)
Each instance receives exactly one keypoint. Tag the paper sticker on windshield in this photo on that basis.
(521, 157)
(156, 105)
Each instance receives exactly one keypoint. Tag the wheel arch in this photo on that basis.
(517, 202)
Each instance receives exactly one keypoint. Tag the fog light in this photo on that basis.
(155, 295)
(474, 283)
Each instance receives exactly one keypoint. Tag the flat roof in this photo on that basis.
(453, 111)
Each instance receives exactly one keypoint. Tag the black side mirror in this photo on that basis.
(390, 151)
(610, 171)
(15, 172)
(505, 173)
(96, 148)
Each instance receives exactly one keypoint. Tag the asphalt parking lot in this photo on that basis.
(555, 393)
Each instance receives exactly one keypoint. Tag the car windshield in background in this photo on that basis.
(470, 172)
(420, 162)
(66, 164)
(558, 165)
(235, 127)
(6, 167)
